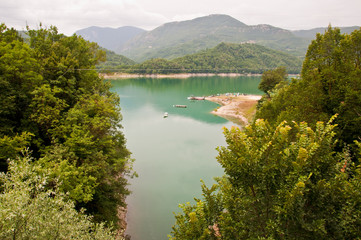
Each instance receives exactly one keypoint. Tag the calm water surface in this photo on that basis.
(172, 154)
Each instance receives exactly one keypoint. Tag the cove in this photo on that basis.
(172, 154)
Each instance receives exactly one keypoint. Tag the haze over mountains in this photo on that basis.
(110, 38)
(177, 39)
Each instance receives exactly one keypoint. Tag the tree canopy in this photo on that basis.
(53, 102)
(329, 84)
(30, 210)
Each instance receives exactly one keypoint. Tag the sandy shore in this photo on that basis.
(178, 75)
(237, 108)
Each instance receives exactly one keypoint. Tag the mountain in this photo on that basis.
(224, 58)
(177, 39)
(109, 38)
(311, 34)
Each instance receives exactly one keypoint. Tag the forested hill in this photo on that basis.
(240, 58)
(178, 39)
(224, 58)
(114, 61)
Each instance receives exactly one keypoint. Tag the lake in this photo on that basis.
(172, 154)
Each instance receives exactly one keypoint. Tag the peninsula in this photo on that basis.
(238, 108)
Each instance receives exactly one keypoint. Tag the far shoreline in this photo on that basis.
(118, 75)
(175, 75)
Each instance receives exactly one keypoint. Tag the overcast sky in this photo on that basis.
(72, 15)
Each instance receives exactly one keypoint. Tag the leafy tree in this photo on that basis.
(29, 210)
(54, 102)
(280, 183)
(329, 84)
(271, 78)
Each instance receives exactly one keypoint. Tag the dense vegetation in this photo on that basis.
(330, 84)
(54, 104)
(30, 210)
(224, 58)
(239, 58)
(295, 173)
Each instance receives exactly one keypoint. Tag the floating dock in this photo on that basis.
(196, 98)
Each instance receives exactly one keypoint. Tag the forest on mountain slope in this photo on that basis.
(62, 153)
(295, 172)
(224, 58)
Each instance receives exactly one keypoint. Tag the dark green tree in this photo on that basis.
(271, 78)
(329, 84)
(54, 102)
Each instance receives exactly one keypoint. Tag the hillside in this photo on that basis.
(109, 38)
(248, 58)
(177, 39)
(114, 61)
(224, 58)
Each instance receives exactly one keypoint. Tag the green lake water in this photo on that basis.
(172, 154)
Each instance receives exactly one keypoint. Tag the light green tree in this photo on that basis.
(29, 211)
(280, 183)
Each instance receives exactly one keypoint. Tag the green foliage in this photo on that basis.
(271, 78)
(330, 84)
(280, 183)
(157, 66)
(53, 101)
(239, 58)
(114, 62)
(224, 58)
(29, 210)
(199, 221)
(10, 147)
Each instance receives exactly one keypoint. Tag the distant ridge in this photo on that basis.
(177, 39)
(109, 38)
(311, 33)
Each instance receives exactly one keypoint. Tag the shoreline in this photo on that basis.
(175, 75)
(236, 108)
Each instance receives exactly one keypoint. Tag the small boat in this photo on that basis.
(165, 115)
(180, 106)
(196, 98)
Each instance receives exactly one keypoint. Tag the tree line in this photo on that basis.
(224, 58)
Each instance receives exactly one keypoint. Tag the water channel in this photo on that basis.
(172, 154)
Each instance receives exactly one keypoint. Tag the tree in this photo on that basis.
(271, 78)
(53, 101)
(329, 84)
(280, 183)
(28, 210)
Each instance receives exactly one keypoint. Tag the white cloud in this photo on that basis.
(71, 15)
